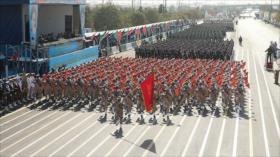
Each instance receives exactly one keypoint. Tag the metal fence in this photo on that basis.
(16, 59)
(152, 39)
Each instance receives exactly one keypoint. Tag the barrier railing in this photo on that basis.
(152, 39)
(16, 59)
(74, 58)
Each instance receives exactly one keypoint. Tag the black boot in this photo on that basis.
(128, 121)
(154, 120)
(168, 121)
(142, 120)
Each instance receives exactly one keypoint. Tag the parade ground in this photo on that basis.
(30, 133)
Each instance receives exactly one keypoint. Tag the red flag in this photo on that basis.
(152, 28)
(119, 36)
(144, 30)
(130, 32)
(147, 88)
(138, 33)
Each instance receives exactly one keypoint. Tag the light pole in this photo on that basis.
(279, 23)
(166, 5)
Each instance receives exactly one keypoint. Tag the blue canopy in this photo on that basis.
(13, 2)
(17, 2)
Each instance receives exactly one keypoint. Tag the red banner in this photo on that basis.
(144, 30)
(119, 36)
(147, 88)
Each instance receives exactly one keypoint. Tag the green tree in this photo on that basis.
(152, 15)
(140, 9)
(138, 18)
(126, 16)
(89, 17)
(107, 17)
(195, 13)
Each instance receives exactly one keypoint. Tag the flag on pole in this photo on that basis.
(105, 35)
(147, 88)
(152, 28)
(119, 36)
(138, 34)
(144, 30)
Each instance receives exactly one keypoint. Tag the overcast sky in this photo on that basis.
(155, 3)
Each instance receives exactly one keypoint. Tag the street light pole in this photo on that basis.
(279, 22)
(166, 5)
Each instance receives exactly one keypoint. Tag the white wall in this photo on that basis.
(52, 18)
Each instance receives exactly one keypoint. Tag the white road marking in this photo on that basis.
(98, 146)
(191, 136)
(137, 141)
(235, 136)
(29, 126)
(262, 114)
(205, 138)
(250, 126)
(45, 135)
(37, 114)
(154, 139)
(218, 101)
(172, 137)
(234, 150)
(271, 104)
(236, 56)
(89, 139)
(22, 108)
(116, 145)
(15, 118)
(2, 150)
(250, 110)
(7, 115)
(221, 138)
(61, 135)
(76, 136)
(105, 140)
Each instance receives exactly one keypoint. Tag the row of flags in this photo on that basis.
(136, 33)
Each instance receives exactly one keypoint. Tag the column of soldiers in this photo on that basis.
(16, 91)
(205, 41)
(189, 75)
(111, 85)
(206, 31)
(177, 48)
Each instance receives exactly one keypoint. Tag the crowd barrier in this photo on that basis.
(14, 59)
(64, 47)
(132, 45)
(74, 58)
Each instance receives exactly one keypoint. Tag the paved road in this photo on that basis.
(57, 133)
(129, 53)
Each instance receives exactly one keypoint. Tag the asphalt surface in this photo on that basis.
(67, 133)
